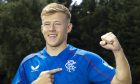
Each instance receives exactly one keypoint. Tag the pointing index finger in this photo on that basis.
(55, 70)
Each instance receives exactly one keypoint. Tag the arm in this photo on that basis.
(46, 77)
(123, 74)
(19, 77)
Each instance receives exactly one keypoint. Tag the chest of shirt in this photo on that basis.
(74, 70)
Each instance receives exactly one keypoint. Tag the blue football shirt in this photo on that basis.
(78, 67)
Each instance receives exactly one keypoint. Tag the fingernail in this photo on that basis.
(60, 68)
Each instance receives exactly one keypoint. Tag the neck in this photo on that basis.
(54, 51)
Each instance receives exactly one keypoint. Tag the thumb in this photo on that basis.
(102, 43)
(105, 45)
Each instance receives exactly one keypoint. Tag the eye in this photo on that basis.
(47, 24)
(57, 23)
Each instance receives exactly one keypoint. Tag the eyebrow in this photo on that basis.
(50, 21)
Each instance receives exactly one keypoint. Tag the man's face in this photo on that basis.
(55, 29)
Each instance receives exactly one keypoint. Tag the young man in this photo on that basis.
(61, 63)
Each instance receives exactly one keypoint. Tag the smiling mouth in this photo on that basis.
(52, 35)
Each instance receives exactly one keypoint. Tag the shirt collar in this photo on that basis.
(63, 54)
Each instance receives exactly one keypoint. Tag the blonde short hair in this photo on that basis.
(55, 7)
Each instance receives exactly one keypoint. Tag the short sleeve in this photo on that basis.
(20, 76)
(100, 72)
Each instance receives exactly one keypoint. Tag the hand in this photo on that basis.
(46, 77)
(110, 42)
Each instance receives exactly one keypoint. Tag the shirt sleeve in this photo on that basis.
(20, 76)
(100, 72)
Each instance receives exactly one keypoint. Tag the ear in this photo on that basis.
(69, 27)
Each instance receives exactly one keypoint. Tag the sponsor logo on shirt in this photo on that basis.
(70, 65)
(35, 68)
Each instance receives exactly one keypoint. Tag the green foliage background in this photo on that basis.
(20, 30)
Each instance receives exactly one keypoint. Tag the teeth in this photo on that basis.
(52, 35)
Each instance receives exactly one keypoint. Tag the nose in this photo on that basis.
(52, 27)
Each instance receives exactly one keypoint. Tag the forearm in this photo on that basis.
(123, 73)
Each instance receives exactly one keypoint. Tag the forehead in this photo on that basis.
(58, 16)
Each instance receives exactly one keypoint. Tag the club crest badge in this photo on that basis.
(70, 65)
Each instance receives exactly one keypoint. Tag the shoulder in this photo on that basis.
(32, 56)
(89, 56)
(81, 52)
(86, 53)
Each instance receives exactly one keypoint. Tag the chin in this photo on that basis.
(53, 44)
